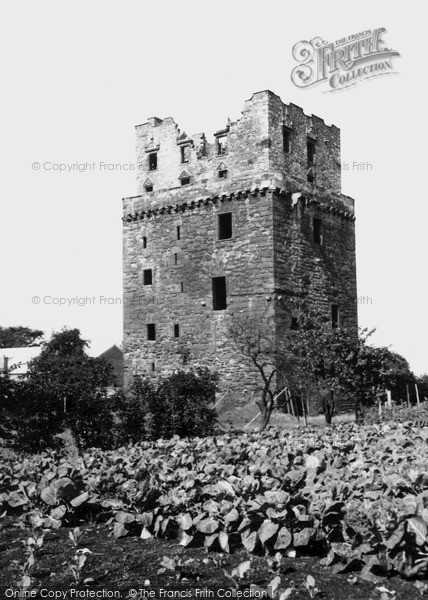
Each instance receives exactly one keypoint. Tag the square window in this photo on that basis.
(225, 226)
(176, 330)
(149, 188)
(219, 293)
(151, 332)
(286, 139)
(335, 316)
(153, 161)
(147, 277)
(222, 174)
(317, 231)
(185, 180)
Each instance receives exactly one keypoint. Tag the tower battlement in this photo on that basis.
(266, 147)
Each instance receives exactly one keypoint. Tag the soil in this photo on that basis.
(130, 563)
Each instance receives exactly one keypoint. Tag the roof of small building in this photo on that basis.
(17, 359)
(114, 356)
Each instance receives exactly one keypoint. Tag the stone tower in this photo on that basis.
(251, 222)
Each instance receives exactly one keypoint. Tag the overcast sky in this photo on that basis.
(77, 76)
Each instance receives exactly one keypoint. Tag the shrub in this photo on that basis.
(179, 405)
(34, 416)
(133, 409)
(32, 420)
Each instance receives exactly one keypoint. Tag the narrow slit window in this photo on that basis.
(219, 293)
(144, 242)
(176, 330)
(148, 277)
(175, 258)
(311, 176)
(151, 332)
(335, 316)
(317, 230)
(178, 232)
(153, 161)
(286, 139)
(294, 324)
(153, 366)
(311, 152)
(181, 287)
(225, 226)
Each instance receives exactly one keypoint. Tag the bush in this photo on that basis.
(179, 405)
(37, 417)
(93, 424)
(33, 416)
(132, 412)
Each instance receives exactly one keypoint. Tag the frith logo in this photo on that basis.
(344, 62)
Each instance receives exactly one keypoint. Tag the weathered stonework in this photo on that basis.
(258, 170)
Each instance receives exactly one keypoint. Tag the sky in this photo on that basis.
(78, 76)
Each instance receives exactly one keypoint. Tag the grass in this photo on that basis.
(240, 419)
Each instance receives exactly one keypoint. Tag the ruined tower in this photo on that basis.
(253, 222)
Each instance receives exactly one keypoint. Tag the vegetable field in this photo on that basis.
(355, 497)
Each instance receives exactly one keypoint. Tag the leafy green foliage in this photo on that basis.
(176, 565)
(401, 379)
(314, 361)
(64, 388)
(355, 495)
(310, 585)
(181, 404)
(19, 337)
(338, 360)
(422, 383)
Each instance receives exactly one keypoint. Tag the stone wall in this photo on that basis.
(181, 290)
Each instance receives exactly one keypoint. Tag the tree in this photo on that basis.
(7, 403)
(336, 360)
(254, 339)
(19, 337)
(66, 388)
(312, 359)
(366, 374)
(402, 378)
(64, 370)
(422, 382)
